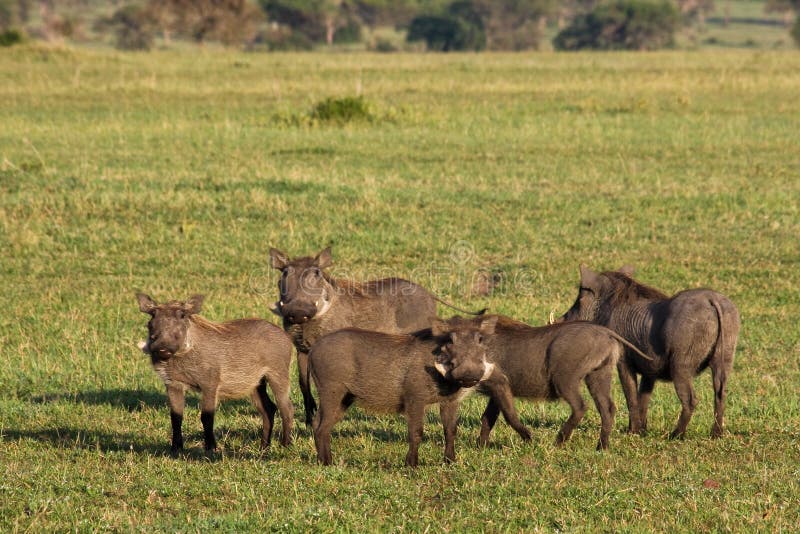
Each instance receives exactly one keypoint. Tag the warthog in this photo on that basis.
(313, 304)
(683, 334)
(397, 373)
(549, 362)
(221, 360)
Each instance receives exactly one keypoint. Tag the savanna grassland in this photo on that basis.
(173, 172)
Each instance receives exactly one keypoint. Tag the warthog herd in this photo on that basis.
(379, 345)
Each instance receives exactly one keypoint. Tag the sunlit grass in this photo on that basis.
(169, 172)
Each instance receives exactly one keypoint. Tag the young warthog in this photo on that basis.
(313, 304)
(397, 373)
(548, 362)
(221, 360)
(683, 334)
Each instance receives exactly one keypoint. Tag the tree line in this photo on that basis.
(440, 25)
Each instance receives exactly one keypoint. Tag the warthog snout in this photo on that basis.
(297, 312)
(462, 358)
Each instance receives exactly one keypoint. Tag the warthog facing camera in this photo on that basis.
(548, 362)
(397, 374)
(313, 304)
(222, 360)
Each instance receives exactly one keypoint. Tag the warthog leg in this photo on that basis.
(685, 391)
(599, 384)
(305, 387)
(208, 407)
(572, 394)
(488, 419)
(449, 414)
(502, 400)
(176, 398)
(280, 388)
(645, 392)
(719, 379)
(332, 405)
(415, 416)
(267, 410)
(627, 379)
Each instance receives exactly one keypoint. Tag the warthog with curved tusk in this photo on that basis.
(312, 304)
(549, 362)
(398, 374)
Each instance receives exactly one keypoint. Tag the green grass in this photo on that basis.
(172, 173)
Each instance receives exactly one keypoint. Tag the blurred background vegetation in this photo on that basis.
(404, 25)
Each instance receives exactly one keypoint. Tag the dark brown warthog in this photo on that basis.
(222, 360)
(397, 373)
(549, 362)
(683, 334)
(313, 304)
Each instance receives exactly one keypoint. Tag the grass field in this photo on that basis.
(174, 172)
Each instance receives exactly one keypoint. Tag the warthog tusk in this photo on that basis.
(441, 368)
(143, 346)
(552, 318)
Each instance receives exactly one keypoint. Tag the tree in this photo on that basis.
(788, 8)
(696, 10)
(375, 13)
(622, 24)
(319, 20)
(514, 24)
(133, 27)
(460, 27)
(228, 21)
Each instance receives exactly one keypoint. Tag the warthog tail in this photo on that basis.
(479, 312)
(719, 349)
(630, 345)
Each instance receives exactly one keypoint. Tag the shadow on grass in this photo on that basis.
(76, 438)
(132, 400)
(69, 438)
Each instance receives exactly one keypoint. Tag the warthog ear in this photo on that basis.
(627, 270)
(488, 325)
(277, 259)
(324, 259)
(146, 304)
(439, 327)
(588, 276)
(194, 304)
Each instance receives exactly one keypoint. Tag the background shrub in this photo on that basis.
(11, 37)
(622, 24)
(341, 110)
(460, 27)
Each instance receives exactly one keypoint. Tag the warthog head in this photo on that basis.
(304, 289)
(600, 293)
(166, 330)
(462, 356)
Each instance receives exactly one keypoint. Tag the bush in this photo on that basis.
(796, 31)
(459, 28)
(133, 27)
(383, 45)
(341, 110)
(445, 33)
(622, 24)
(11, 37)
(349, 33)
